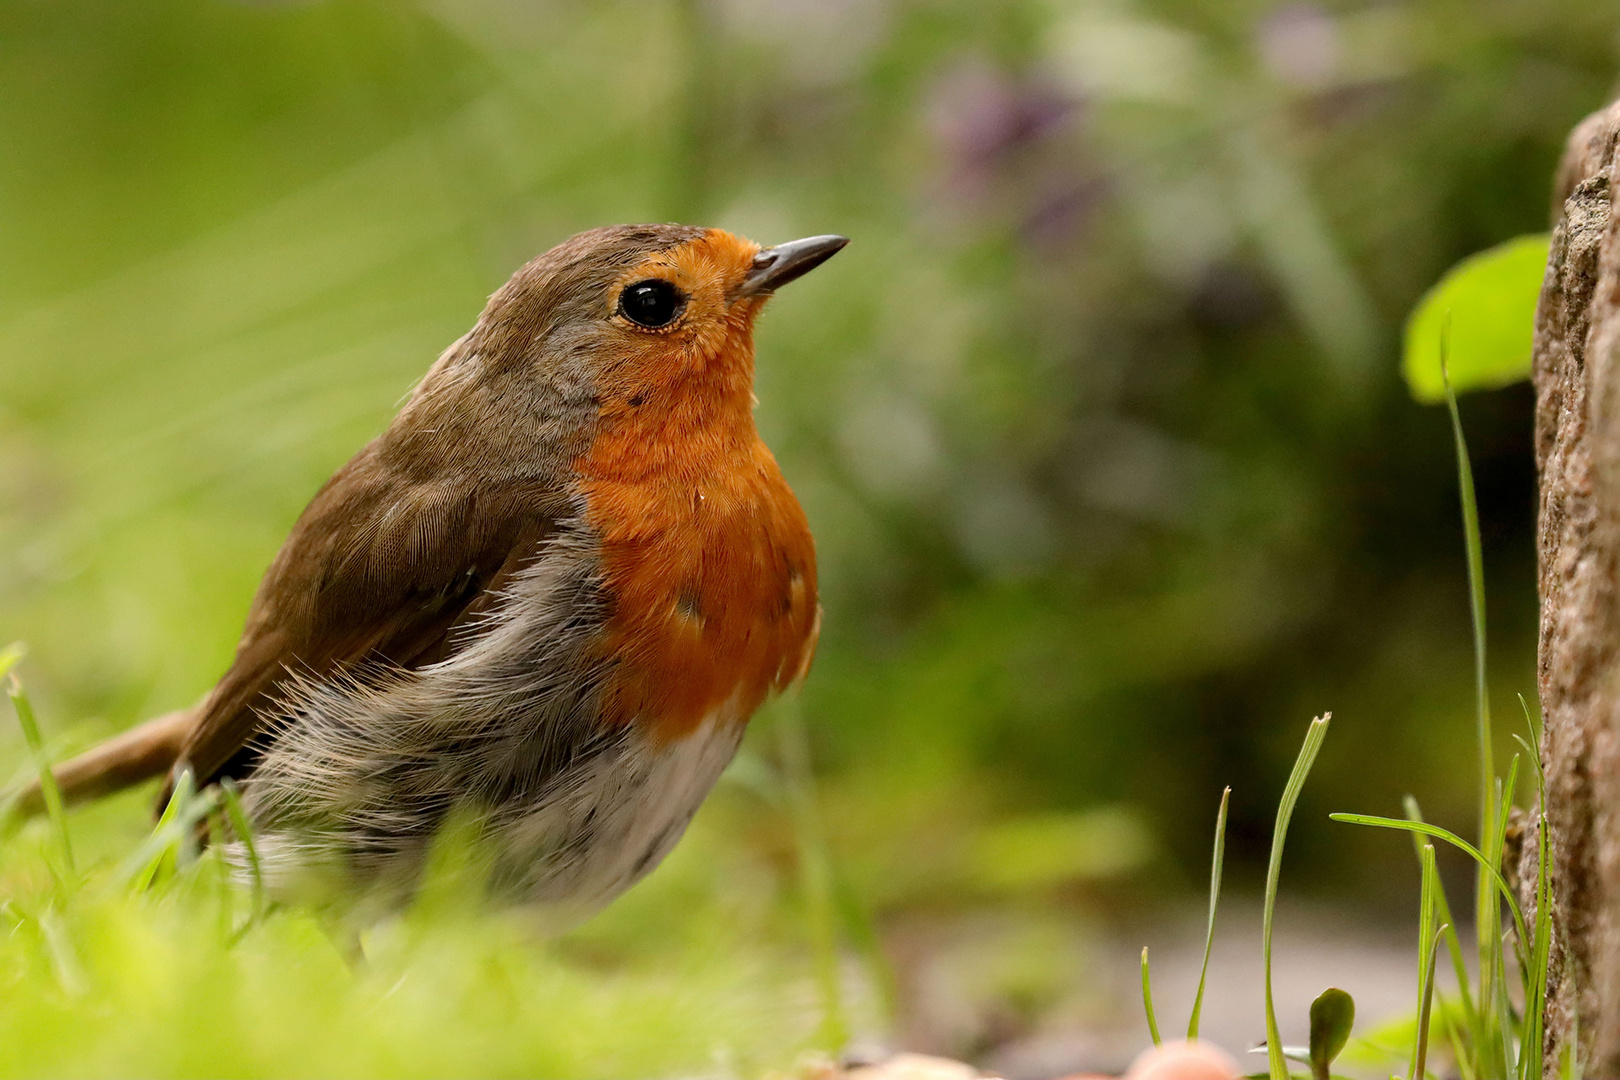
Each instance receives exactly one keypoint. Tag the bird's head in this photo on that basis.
(631, 333)
(641, 309)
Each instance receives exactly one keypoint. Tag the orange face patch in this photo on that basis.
(705, 551)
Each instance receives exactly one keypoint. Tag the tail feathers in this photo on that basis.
(138, 754)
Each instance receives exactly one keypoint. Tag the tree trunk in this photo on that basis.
(1577, 378)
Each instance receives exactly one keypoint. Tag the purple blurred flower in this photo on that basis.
(1002, 141)
(980, 115)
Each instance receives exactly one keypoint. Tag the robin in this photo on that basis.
(553, 591)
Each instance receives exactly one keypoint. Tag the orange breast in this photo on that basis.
(709, 562)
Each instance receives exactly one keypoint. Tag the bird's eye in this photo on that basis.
(653, 303)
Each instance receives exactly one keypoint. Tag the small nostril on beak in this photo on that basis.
(776, 266)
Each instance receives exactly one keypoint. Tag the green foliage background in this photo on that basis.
(1098, 420)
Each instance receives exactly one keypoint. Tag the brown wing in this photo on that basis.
(381, 568)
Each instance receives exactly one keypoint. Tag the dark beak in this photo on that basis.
(775, 267)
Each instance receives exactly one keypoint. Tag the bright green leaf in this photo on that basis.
(1491, 298)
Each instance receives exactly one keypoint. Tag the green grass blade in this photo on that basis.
(1147, 999)
(48, 789)
(1528, 749)
(1504, 1012)
(1285, 811)
(1531, 1062)
(1533, 1065)
(815, 870)
(1506, 789)
(1428, 942)
(1532, 745)
(1453, 946)
(1490, 1026)
(232, 799)
(142, 867)
(1493, 979)
(1476, 589)
(1495, 877)
(1425, 1003)
(64, 959)
(161, 852)
(1505, 794)
(11, 656)
(1216, 862)
(862, 934)
(1487, 916)
(223, 890)
(1459, 1052)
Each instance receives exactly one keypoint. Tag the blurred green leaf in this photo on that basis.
(1491, 298)
(1045, 850)
(1332, 1015)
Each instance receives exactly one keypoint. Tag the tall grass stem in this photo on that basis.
(1428, 943)
(1216, 861)
(1277, 1064)
(49, 792)
(815, 870)
(1453, 943)
(231, 797)
(1487, 917)
(1147, 999)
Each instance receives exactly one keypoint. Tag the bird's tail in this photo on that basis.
(138, 754)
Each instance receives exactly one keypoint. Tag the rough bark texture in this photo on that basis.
(1577, 378)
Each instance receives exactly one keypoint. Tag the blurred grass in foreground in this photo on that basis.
(150, 985)
(688, 975)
